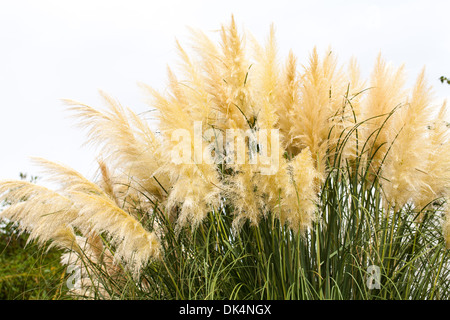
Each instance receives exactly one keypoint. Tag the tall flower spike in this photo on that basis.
(228, 80)
(199, 108)
(290, 99)
(437, 171)
(405, 168)
(386, 93)
(313, 121)
(267, 83)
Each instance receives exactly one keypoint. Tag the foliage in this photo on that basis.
(444, 80)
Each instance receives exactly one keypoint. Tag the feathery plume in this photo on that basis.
(135, 152)
(436, 175)
(386, 93)
(43, 213)
(405, 168)
(134, 245)
(301, 196)
(320, 101)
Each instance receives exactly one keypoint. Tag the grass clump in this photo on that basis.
(263, 181)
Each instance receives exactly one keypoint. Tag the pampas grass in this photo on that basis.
(350, 173)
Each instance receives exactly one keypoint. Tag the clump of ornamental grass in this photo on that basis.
(265, 179)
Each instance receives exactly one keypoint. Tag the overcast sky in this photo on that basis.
(58, 49)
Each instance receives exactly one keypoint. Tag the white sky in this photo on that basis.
(55, 49)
